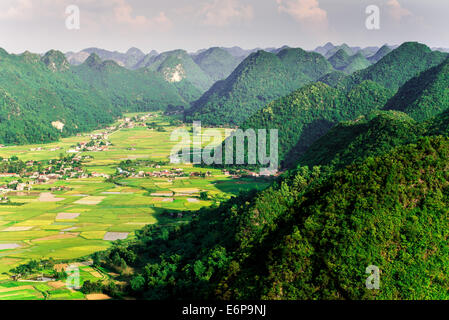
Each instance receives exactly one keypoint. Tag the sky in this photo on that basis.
(41, 25)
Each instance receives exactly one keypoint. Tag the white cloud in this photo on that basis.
(307, 11)
(123, 12)
(119, 12)
(223, 12)
(19, 10)
(396, 11)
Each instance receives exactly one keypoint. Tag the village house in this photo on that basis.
(43, 179)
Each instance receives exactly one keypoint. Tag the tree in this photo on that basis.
(138, 283)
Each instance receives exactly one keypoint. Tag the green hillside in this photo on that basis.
(382, 52)
(355, 63)
(355, 140)
(36, 92)
(310, 236)
(348, 64)
(128, 90)
(178, 65)
(217, 63)
(259, 79)
(424, 96)
(399, 66)
(372, 135)
(335, 49)
(39, 95)
(308, 113)
(339, 60)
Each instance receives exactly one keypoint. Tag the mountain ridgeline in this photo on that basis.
(425, 95)
(397, 67)
(259, 79)
(45, 98)
(36, 92)
(264, 77)
(310, 112)
(217, 63)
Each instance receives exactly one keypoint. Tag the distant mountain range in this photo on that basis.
(128, 59)
(329, 49)
(220, 85)
(194, 73)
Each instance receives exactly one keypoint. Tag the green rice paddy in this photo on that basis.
(73, 224)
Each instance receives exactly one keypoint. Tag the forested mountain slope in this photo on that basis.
(399, 66)
(217, 63)
(128, 90)
(36, 92)
(342, 61)
(310, 236)
(355, 63)
(382, 52)
(259, 79)
(371, 135)
(308, 113)
(39, 94)
(425, 95)
(365, 136)
(176, 66)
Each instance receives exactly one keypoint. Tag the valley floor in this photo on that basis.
(71, 219)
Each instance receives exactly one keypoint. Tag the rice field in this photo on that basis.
(91, 214)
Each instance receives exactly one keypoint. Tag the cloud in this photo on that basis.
(20, 10)
(93, 12)
(396, 11)
(123, 12)
(223, 12)
(306, 11)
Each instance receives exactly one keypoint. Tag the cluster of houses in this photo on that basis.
(172, 173)
(236, 174)
(14, 186)
(36, 172)
(60, 188)
(99, 175)
(176, 172)
(137, 121)
(97, 144)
